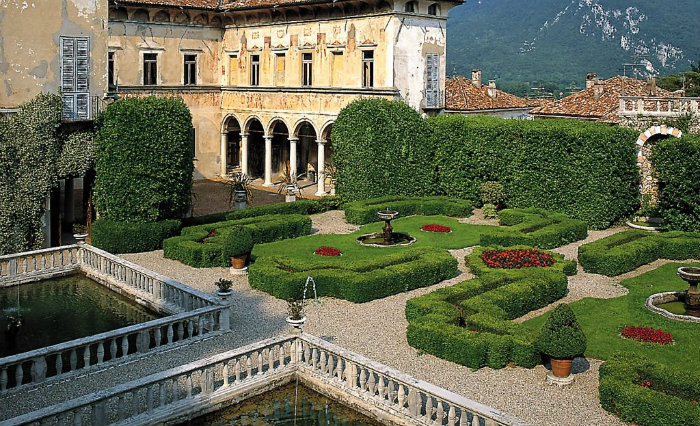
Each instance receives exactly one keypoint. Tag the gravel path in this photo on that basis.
(375, 329)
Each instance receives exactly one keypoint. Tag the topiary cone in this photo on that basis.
(561, 337)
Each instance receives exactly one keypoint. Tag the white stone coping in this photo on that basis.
(668, 296)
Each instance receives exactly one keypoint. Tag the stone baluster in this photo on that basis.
(401, 397)
(271, 359)
(381, 388)
(113, 348)
(3, 379)
(180, 331)
(59, 364)
(169, 333)
(371, 382)
(249, 367)
(414, 403)
(200, 325)
(77, 418)
(149, 398)
(38, 369)
(162, 393)
(281, 356)
(363, 379)
(260, 362)
(135, 410)
(188, 386)
(451, 416)
(440, 413)
(190, 328)
(224, 373)
(98, 413)
(322, 361)
(391, 392)
(86, 356)
(121, 407)
(100, 352)
(73, 358)
(237, 370)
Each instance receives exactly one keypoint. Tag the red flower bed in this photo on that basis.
(327, 251)
(212, 234)
(436, 228)
(515, 259)
(647, 334)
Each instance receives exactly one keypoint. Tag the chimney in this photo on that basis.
(651, 86)
(598, 89)
(591, 78)
(492, 89)
(476, 78)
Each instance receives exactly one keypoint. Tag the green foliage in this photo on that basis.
(534, 227)
(490, 211)
(297, 207)
(690, 81)
(77, 155)
(365, 211)
(676, 163)
(626, 251)
(492, 193)
(144, 164)
(354, 280)
(561, 336)
(196, 248)
(238, 241)
(132, 237)
(585, 170)
(381, 148)
(667, 400)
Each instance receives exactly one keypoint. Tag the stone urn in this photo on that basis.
(225, 295)
(691, 275)
(240, 199)
(296, 324)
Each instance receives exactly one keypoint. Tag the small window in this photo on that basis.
(190, 77)
(307, 70)
(254, 70)
(150, 69)
(110, 72)
(434, 9)
(280, 63)
(410, 7)
(368, 68)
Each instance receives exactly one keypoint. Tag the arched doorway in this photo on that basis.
(649, 187)
(307, 164)
(232, 129)
(280, 147)
(256, 148)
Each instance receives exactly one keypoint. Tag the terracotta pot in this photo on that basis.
(561, 367)
(238, 262)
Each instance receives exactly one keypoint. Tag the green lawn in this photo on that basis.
(603, 319)
(462, 235)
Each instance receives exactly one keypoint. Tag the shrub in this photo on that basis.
(626, 251)
(541, 164)
(238, 241)
(381, 147)
(365, 211)
(667, 399)
(561, 335)
(490, 211)
(492, 193)
(298, 207)
(676, 164)
(357, 281)
(534, 227)
(128, 237)
(144, 164)
(478, 265)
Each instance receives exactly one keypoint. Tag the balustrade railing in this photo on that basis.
(30, 266)
(657, 106)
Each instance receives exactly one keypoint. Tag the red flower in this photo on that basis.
(436, 228)
(212, 234)
(327, 251)
(517, 258)
(647, 334)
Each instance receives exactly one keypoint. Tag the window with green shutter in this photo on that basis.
(75, 77)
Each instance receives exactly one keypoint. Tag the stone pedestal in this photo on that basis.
(559, 381)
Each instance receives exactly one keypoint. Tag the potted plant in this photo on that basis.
(562, 339)
(331, 174)
(288, 185)
(237, 245)
(224, 288)
(295, 309)
(239, 190)
(80, 231)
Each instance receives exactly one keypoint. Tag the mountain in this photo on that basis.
(522, 43)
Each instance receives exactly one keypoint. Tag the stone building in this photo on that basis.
(264, 79)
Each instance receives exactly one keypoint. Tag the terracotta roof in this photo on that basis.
(584, 103)
(462, 95)
(223, 5)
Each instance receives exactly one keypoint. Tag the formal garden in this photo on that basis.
(470, 234)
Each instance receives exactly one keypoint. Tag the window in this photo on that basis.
(150, 69)
(280, 63)
(410, 7)
(190, 77)
(254, 70)
(306, 69)
(110, 72)
(434, 9)
(368, 68)
(432, 80)
(75, 77)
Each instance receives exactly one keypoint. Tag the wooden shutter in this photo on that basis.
(75, 77)
(67, 65)
(432, 80)
(82, 78)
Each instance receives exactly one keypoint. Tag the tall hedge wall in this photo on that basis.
(381, 148)
(585, 170)
(677, 166)
(145, 150)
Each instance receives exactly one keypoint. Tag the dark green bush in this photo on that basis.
(626, 251)
(478, 267)
(382, 147)
(195, 246)
(144, 164)
(667, 401)
(365, 211)
(561, 335)
(676, 164)
(492, 193)
(585, 170)
(356, 281)
(132, 237)
(534, 227)
(237, 242)
(297, 207)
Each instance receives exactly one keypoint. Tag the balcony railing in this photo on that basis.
(650, 106)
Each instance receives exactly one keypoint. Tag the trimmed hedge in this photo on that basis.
(478, 267)
(365, 211)
(195, 248)
(356, 281)
(585, 170)
(628, 250)
(676, 165)
(534, 227)
(127, 237)
(471, 323)
(667, 401)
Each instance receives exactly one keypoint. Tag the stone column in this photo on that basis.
(244, 153)
(268, 160)
(293, 157)
(321, 169)
(224, 148)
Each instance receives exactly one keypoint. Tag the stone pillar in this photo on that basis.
(321, 169)
(244, 153)
(268, 160)
(293, 158)
(224, 147)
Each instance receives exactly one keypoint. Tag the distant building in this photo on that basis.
(471, 97)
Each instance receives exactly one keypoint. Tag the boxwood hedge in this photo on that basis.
(534, 227)
(667, 400)
(365, 211)
(356, 281)
(202, 246)
(127, 237)
(628, 250)
(478, 267)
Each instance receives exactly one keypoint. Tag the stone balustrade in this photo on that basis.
(650, 106)
(211, 384)
(20, 268)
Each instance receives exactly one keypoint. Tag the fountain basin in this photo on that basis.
(387, 214)
(377, 240)
(669, 304)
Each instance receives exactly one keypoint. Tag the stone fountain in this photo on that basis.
(680, 306)
(691, 275)
(386, 238)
